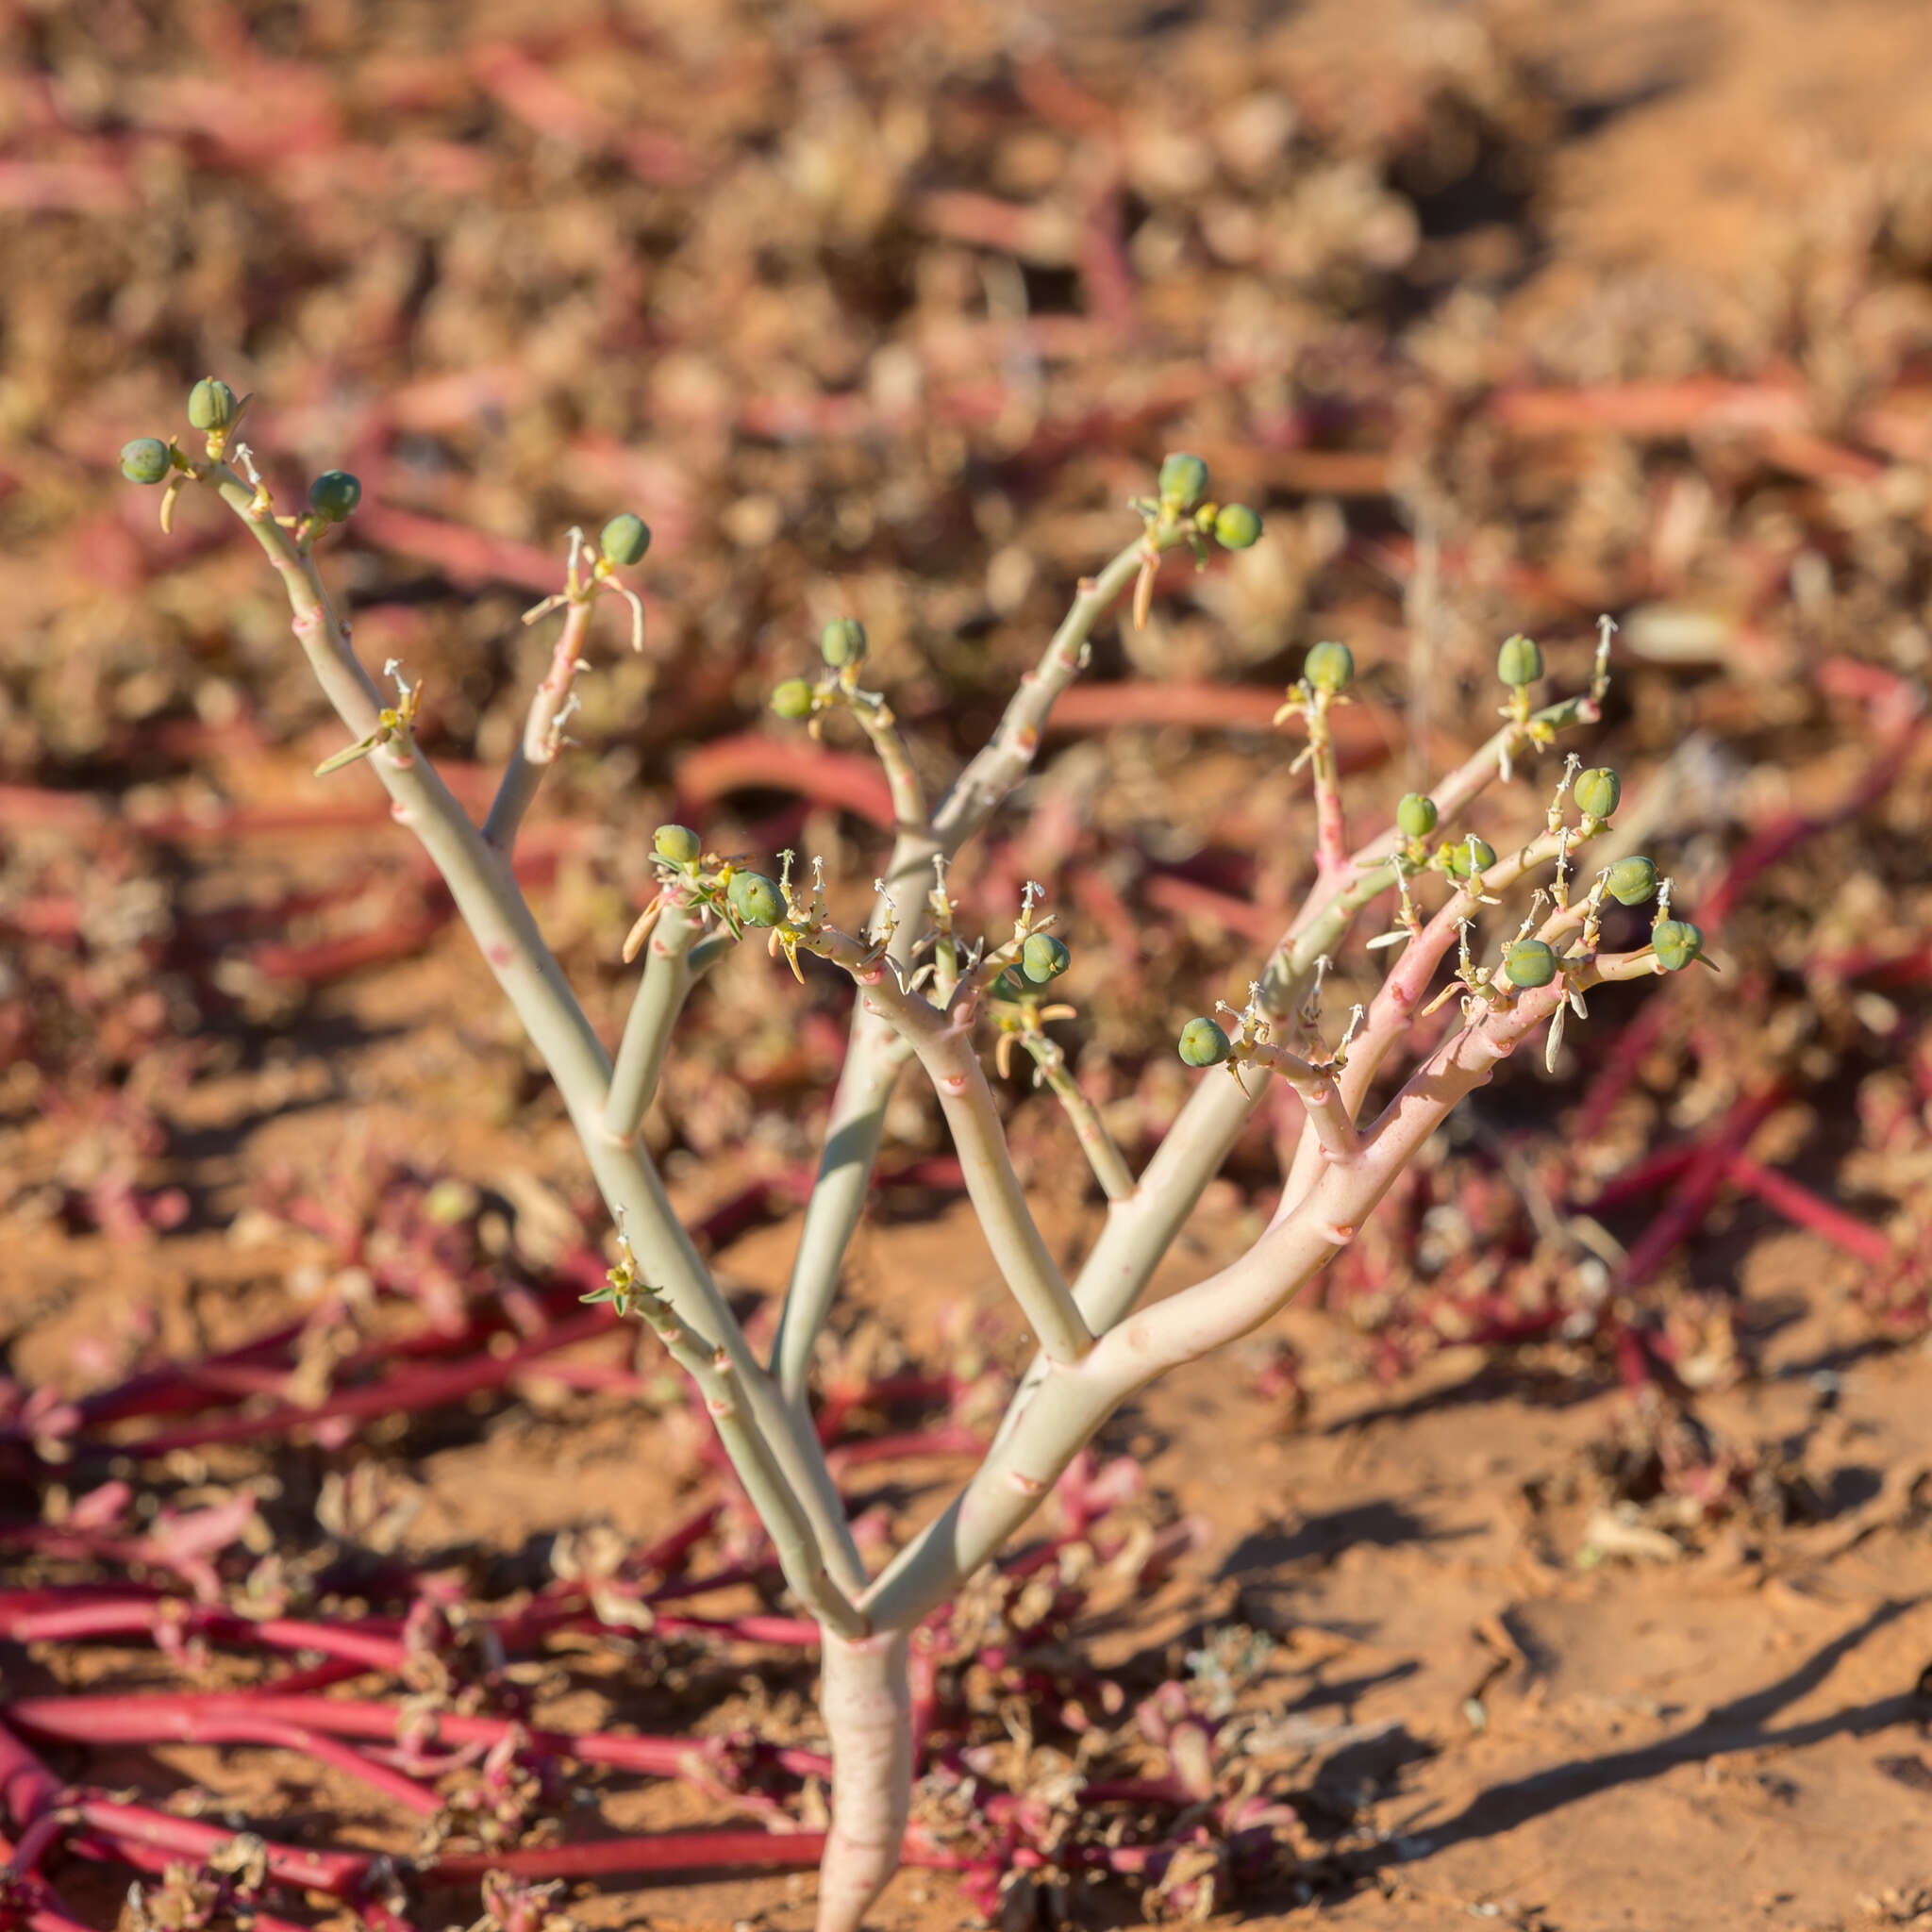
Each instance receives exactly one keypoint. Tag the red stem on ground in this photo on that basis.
(1697, 1186)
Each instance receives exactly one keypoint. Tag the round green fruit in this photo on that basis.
(211, 404)
(624, 540)
(1236, 526)
(145, 459)
(753, 899)
(1530, 964)
(1415, 817)
(1183, 480)
(843, 642)
(1043, 958)
(680, 844)
(1675, 942)
(1203, 1044)
(334, 494)
(1598, 793)
(792, 699)
(1631, 881)
(1520, 662)
(1329, 667)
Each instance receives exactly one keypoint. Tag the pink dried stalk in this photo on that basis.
(926, 989)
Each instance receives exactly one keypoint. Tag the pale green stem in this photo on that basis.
(1110, 1165)
(665, 984)
(491, 905)
(1058, 1413)
(875, 1052)
(772, 1496)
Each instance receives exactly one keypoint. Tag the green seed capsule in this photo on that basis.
(1675, 942)
(678, 843)
(624, 539)
(211, 404)
(1183, 480)
(145, 459)
(1236, 526)
(843, 642)
(1415, 817)
(1530, 962)
(1520, 661)
(755, 899)
(1597, 793)
(334, 494)
(1468, 856)
(792, 699)
(1203, 1044)
(1631, 881)
(1329, 667)
(1043, 958)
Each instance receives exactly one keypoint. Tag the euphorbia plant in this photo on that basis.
(930, 990)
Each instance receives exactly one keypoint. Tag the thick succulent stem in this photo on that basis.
(1056, 1414)
(668, 975)
(865, 1697)
(492, 907)
(875, 1052)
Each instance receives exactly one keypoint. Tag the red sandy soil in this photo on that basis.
(1626, 1624)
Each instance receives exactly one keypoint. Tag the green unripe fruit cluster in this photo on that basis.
(1631, 881)
(1183, 480)
(1530, 964)
(755, 899)
(1415, 817)
(1520, 662)
(1329, 667)
(1675, 942)
(623, 540)
(145, 459)
(678, 843)
(843, 642)
(1043, 958)
(1598, 792)
(1470, 857)
(1236, 526)
(211, 405)
(334, 494)
(1203, 1044)
(792, 699)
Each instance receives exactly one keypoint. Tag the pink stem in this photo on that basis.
(176, 1718)
(1799, 1205)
